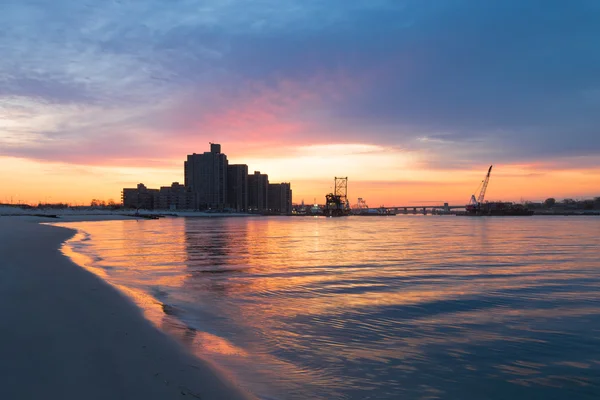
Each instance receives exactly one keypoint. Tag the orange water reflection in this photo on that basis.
(323, 308)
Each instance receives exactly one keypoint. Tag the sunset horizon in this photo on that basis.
(412, 187)
(300, 199)
(411, 101)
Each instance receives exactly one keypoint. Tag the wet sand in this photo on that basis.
(66, 334)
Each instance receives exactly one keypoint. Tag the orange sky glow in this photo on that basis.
(380, 177)
(302, 97)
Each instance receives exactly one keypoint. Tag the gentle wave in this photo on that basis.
(370, 308)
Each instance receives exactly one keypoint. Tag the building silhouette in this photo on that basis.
(258, 192)
(237, 187)
(140, 197)
(206, 178)
(175, 197)
(212, 184)
(280, 198)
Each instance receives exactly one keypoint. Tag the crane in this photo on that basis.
(475, 203)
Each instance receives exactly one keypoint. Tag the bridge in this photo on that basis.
(422, 209)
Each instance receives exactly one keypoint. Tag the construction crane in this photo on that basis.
(476, 202)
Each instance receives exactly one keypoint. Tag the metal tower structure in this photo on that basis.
(341, 189)
(336, 203)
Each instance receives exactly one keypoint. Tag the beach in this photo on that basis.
(413, 307)
(407, 307)
(67, 334)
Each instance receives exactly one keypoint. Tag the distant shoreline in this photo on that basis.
(90, 215)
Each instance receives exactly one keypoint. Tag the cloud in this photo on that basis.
(460, 82)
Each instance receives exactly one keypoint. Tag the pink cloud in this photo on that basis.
(247, 118)
(256, 113)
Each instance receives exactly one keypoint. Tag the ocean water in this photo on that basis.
(405, 307)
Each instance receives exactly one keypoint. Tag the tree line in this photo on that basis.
(588, 204)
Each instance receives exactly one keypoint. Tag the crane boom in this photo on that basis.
(484, 187)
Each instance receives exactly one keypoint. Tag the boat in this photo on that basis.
(336, 203)
(499, 208)
(335, 206)
(316, 210)
(477, 207)
(374, 212)
(362, 209)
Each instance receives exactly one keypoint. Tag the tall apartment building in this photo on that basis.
(258, 191)
(175, 197)
(237, 187)
(280, 198)
(140, 197)
(206, 178)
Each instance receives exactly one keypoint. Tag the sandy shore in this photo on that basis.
(90, 215)
(66, 334)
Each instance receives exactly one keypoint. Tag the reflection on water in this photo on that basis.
(369, 308)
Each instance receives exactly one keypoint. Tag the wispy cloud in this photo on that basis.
(461, 82)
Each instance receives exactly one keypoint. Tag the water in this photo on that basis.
(406, 307)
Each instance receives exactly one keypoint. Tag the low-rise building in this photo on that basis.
(140, 197)
(280, 198)
(175, 197)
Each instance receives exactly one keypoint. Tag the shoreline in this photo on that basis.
(61, 215)
(69, 334)
(103, 215)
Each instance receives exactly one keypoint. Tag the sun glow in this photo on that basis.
(382, 176)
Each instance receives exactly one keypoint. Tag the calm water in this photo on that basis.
(406, 307)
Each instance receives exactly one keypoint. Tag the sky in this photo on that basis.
(411, 100)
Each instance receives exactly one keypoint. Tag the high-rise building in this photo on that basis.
(280, 198)
(258, 191)
(237, 187)
(140, 197)
(287, 198)
(175, 197)
(206, 178)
